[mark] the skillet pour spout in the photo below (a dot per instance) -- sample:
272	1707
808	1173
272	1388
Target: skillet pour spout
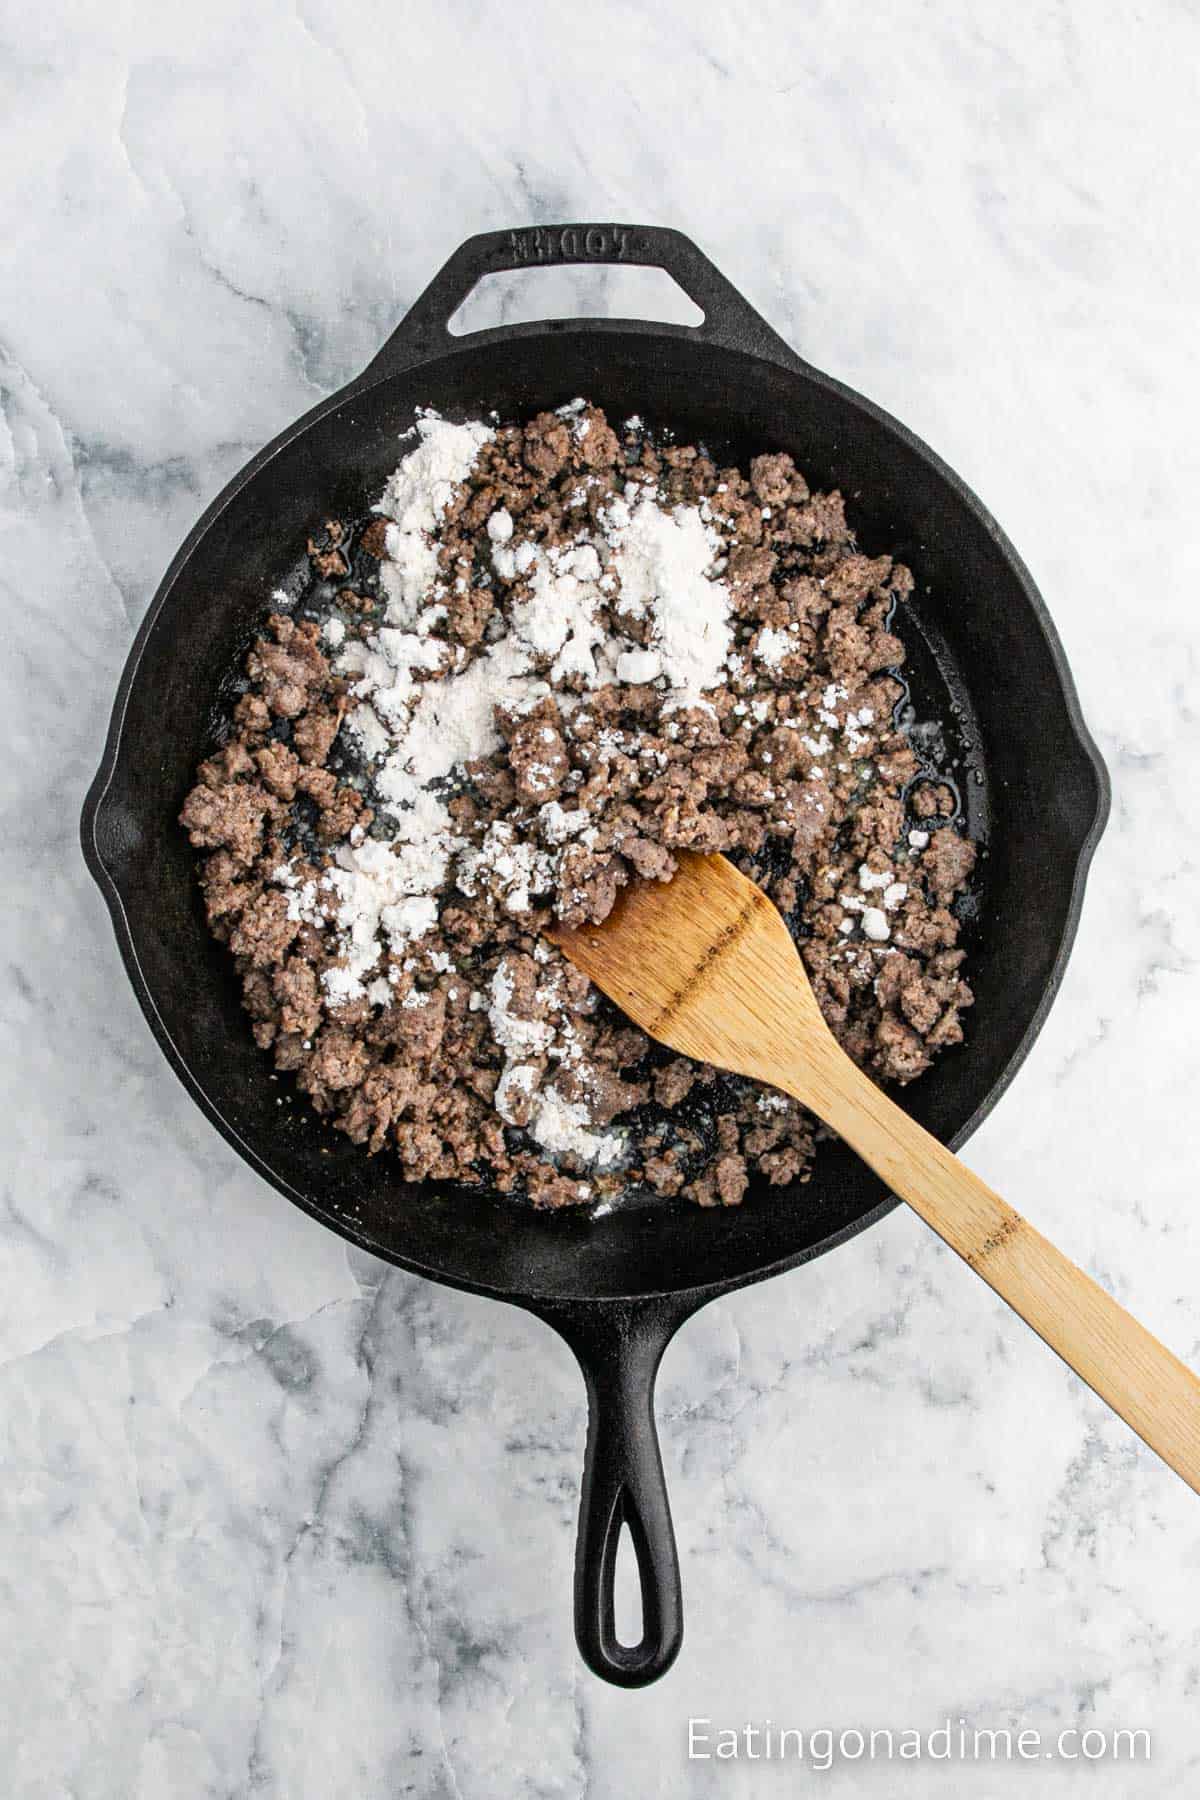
983	652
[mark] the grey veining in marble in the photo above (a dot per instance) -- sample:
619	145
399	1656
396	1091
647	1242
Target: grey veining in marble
277	1521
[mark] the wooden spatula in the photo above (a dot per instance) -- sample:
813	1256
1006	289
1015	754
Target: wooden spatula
705	964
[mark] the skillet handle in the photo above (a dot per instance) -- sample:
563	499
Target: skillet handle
619	1346
729	320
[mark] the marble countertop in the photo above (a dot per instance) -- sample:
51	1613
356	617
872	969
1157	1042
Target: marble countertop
276	1520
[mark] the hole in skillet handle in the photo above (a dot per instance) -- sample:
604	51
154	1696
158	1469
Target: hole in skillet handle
627	1592
727	318
623	1503
526	296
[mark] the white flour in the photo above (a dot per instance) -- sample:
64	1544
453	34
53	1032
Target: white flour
561	617
772	646
556	1124
520	869
874	919
414	500
664	561
561	1125
421	708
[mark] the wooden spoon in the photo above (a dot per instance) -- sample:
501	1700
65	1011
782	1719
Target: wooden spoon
705	964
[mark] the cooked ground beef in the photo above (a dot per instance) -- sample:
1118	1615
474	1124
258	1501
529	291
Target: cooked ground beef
793	766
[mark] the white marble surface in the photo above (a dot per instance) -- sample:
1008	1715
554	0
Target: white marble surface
275	1520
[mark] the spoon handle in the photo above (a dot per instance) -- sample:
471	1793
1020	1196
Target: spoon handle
1120	1360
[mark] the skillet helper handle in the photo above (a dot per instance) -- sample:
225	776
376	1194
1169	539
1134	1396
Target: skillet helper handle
729	319
619	1347
1143	1382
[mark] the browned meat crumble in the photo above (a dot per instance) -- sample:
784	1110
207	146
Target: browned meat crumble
793	767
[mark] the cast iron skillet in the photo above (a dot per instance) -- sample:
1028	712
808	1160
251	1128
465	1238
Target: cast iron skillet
983	656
